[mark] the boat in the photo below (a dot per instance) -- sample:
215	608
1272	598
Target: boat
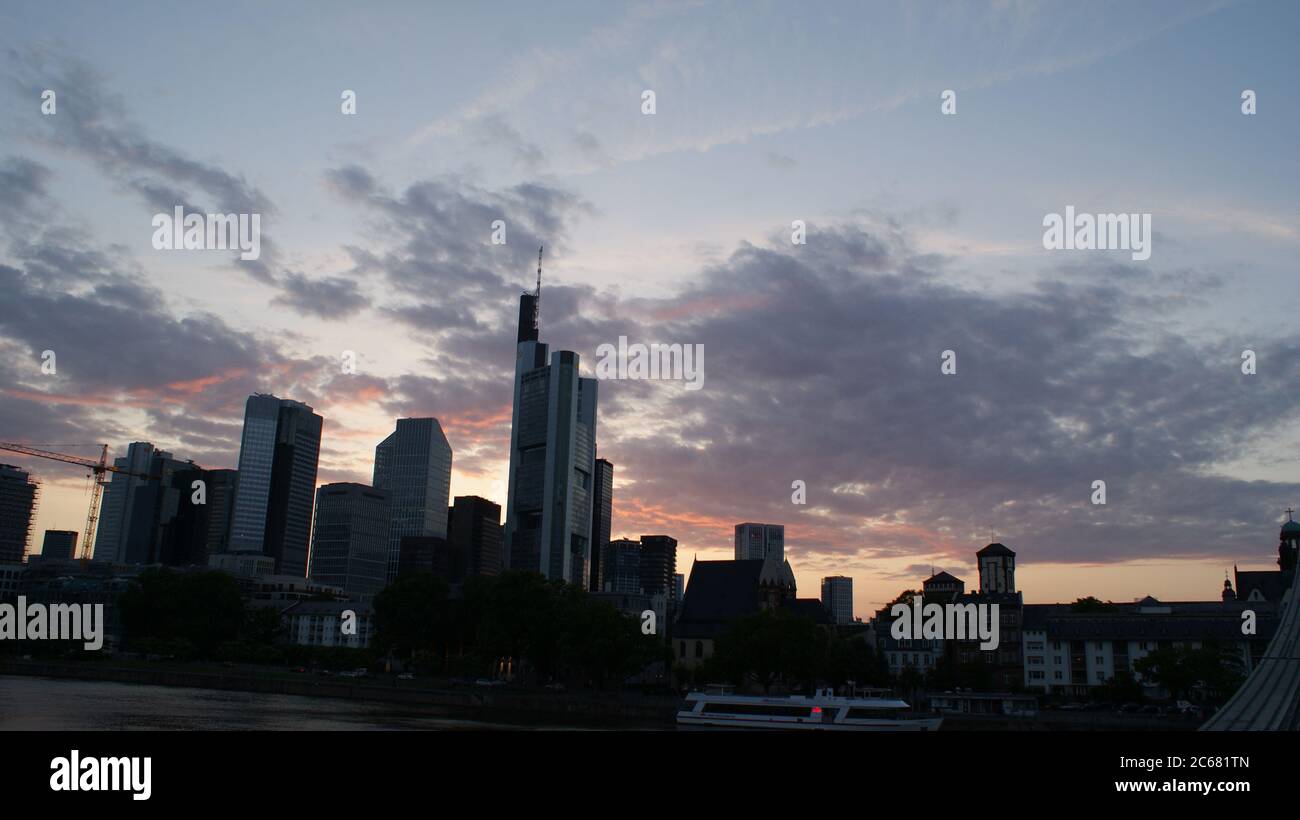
873	711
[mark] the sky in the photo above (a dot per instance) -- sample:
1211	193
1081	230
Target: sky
924	233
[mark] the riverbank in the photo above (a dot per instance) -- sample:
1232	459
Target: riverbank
486	704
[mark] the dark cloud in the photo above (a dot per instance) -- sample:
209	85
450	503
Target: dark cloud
822	364
330	297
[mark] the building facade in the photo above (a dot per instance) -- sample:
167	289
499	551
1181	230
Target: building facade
475	532
116	506
602	511
349	545
278	457
59	545
414	466
754	542
837	597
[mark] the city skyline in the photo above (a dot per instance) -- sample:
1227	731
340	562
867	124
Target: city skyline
924	234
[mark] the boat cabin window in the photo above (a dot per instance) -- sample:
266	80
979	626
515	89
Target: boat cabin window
871	714
765	709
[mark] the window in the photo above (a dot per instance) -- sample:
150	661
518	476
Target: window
1035	660
1035	675
1101	661
699	649
682	646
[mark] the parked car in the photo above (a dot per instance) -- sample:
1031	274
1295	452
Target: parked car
406	676
487	682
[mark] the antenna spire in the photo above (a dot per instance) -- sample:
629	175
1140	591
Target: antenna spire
537	294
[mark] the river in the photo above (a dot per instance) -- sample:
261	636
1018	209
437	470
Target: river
49	704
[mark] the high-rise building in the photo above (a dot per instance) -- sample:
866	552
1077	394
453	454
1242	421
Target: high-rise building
221	509
679	587
658	566
552	459
278	456
349	543
431	553
602	510
189	510
754	542
414	466
59	545
474	531
118	502
17	507
837	597
621	566
151	511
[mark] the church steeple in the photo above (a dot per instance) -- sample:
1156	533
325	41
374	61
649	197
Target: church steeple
1289	543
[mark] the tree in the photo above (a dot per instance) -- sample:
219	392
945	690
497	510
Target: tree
1092	604
773	647
201	609
411	614
1180	668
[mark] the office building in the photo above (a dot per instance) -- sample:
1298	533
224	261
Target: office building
349	543
837	597
658	566
118	501
414	466
602	510
59	545
552	459
755	542
433	554
474	531
278	455
621	566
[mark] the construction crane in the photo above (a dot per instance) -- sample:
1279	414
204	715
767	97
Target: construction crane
97	471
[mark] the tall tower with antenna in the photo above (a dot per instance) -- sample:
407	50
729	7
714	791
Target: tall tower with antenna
552	456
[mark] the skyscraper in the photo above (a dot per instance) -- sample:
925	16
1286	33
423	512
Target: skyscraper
602	510
17	504
278	456
754	542
115	510
349	543
837	597
414	466
658	566
474	530
621	563
552	458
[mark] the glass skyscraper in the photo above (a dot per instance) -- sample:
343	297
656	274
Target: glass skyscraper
754	542
602	508
278	456
349	544
552	459
414	466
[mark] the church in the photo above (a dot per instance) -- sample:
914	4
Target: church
1269	585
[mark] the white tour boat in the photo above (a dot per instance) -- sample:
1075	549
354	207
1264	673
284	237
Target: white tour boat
872	712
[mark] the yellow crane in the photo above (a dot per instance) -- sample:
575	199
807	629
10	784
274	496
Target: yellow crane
97	471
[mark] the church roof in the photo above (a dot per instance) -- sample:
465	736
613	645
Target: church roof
942	578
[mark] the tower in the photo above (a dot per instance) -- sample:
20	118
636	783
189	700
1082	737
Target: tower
552	457
1289	544
997	568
